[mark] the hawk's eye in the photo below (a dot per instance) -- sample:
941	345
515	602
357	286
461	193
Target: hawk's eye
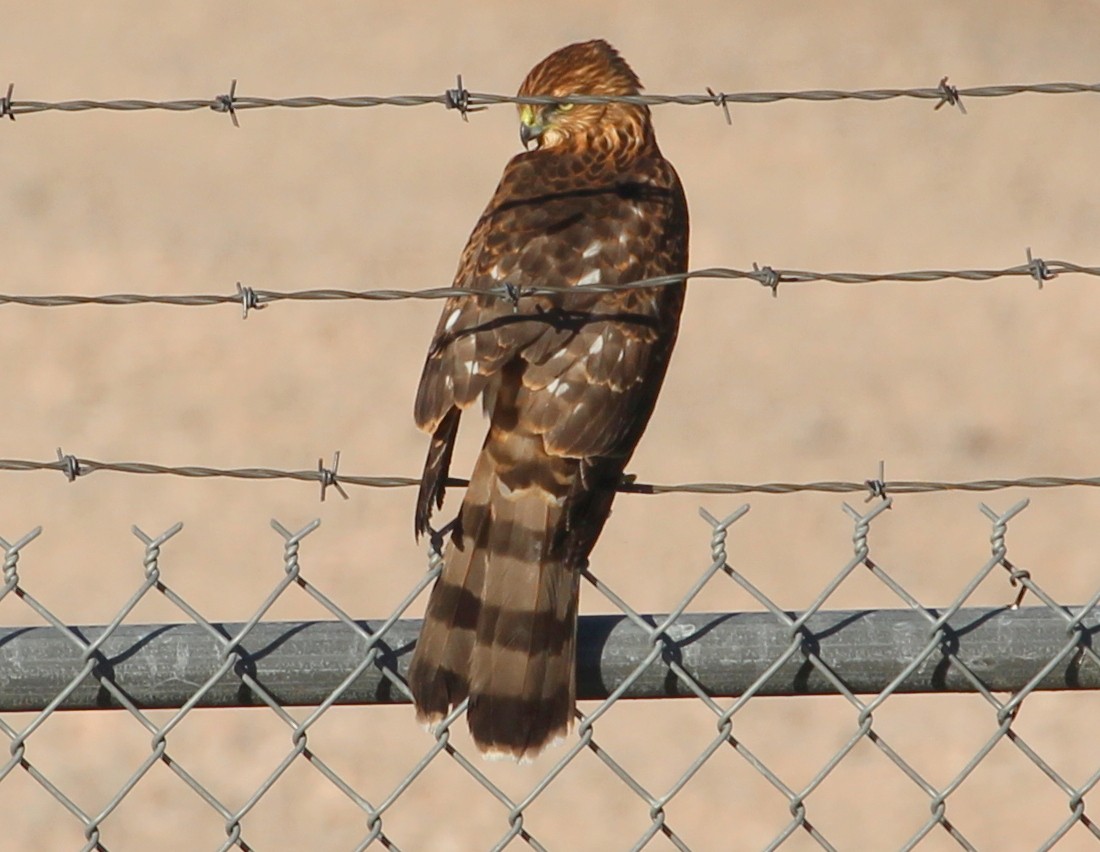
565	107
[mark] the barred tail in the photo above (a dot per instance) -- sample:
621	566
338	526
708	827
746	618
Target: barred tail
500	626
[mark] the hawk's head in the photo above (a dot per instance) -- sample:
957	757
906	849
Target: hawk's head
586	68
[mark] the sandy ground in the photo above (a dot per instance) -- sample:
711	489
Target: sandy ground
943	381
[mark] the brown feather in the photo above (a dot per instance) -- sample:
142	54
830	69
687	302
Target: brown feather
569	381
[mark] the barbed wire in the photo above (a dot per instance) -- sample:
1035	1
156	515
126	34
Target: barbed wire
330	477
252	299
465	101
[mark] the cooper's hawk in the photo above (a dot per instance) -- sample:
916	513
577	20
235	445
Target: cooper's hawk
568	382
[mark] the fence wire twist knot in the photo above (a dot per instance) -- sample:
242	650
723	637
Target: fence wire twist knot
228	103
459	98
949	96
5	103
70	465
249	300
1038	269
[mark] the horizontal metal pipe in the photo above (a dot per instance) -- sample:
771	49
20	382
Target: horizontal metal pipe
301	663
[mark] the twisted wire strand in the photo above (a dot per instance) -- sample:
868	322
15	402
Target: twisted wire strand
466	101
74	467
1036	268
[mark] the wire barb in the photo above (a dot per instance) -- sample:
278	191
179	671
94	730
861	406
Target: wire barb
70	465
329	477
459	98
227	103
949	96
6	103
512	293
877	487
249	300
767	277
1038	269
720	100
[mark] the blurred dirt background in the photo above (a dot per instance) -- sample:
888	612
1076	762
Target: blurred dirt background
943	381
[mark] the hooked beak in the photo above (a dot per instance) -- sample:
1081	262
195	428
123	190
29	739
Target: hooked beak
529	127
529	134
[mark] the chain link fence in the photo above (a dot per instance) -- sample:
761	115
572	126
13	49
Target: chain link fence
1005	656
